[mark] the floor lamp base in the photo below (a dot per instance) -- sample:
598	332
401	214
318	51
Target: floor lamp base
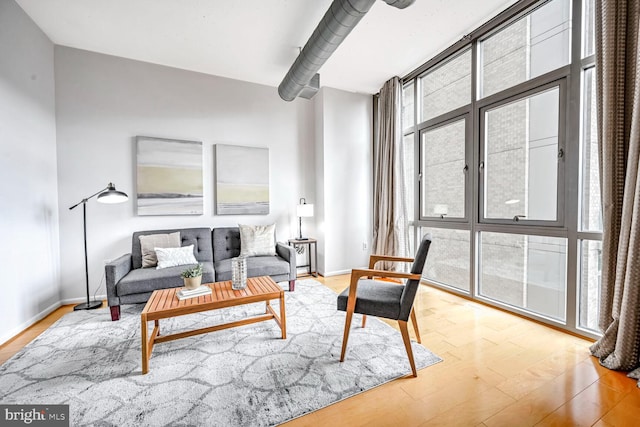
88	306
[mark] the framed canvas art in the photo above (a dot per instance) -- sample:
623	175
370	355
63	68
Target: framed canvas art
242	180
169	176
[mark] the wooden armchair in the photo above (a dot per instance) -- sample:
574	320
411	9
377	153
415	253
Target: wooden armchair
390	300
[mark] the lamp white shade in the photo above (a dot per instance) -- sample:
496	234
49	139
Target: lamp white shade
305	210
112	196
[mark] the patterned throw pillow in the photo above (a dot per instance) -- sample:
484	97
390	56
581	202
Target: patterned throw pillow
149	242
256	240
171	257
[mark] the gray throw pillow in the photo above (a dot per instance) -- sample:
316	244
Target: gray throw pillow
149	242
256	240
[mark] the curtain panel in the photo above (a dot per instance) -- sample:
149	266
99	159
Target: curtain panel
618	99
390	231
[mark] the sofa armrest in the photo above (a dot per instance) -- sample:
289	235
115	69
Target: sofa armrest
288	253
114	271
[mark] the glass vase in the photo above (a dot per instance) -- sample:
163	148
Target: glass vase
238	273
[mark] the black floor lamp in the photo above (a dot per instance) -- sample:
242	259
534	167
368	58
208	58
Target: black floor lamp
106	195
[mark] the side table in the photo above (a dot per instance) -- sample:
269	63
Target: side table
313	269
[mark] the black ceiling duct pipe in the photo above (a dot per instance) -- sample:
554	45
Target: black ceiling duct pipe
335	26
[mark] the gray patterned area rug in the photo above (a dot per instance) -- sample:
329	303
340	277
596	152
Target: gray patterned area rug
245	376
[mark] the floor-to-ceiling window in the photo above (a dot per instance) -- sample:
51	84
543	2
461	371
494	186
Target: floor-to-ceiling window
501	128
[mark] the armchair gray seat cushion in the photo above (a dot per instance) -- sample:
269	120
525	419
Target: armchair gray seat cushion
375	298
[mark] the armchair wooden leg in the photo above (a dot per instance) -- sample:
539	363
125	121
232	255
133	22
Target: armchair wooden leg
347	328
407	344
414	320
364	320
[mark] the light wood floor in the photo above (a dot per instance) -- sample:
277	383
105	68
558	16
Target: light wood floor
498	370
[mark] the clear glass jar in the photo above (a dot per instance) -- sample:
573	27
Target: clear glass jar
239	272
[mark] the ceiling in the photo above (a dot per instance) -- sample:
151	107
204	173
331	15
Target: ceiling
258	40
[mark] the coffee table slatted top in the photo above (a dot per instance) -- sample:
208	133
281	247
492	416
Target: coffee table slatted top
164	304
165	301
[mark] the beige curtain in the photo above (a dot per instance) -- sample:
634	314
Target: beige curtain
618	97
390	233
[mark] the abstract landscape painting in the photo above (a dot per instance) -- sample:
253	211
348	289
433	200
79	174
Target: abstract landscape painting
242	180
169	174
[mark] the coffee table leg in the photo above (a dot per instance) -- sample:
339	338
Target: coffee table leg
283	319
143	333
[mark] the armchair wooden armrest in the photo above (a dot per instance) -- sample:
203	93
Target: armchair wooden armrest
375	258
359	273
370	272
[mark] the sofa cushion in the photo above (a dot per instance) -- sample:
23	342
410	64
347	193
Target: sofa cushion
149	279
200	238
226	243
257	240
152	241
256	266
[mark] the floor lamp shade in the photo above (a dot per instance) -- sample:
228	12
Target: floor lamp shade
303	210
109	194
112	196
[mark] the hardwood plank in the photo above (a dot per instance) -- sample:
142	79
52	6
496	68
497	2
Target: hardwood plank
586	408
625	413
473	410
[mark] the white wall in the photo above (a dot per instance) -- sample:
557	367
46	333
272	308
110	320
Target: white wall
29	254
103	102
343	179
65	138
319	216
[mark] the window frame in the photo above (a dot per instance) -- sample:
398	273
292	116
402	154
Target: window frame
447	120
560	181
571	137
418	86
512	307
583	130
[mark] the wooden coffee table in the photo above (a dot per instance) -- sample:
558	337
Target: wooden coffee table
164	304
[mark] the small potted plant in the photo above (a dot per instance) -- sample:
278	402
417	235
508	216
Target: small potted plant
192	277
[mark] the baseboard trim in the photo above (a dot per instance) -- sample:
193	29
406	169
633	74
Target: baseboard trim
336	273
83	299
6	338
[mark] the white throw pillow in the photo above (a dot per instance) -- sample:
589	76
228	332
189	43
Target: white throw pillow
171	257
256	240
149	242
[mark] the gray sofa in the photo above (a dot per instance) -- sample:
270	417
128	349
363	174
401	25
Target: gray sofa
129	283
